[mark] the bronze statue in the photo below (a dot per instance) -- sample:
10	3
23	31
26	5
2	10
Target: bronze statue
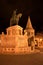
15	18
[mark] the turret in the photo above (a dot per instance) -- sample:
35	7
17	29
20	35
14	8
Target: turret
30	33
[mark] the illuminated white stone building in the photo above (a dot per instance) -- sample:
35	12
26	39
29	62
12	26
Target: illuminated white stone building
39	40
15	41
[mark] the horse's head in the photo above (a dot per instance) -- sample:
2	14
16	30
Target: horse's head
19	15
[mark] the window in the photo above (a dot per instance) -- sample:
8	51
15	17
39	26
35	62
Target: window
5	48
8	32
8	48
20	32
32	48
12	49
32	33
28	33
29	42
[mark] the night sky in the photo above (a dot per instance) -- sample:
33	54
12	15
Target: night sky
32	8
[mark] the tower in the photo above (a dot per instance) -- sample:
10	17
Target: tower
29	28
30	33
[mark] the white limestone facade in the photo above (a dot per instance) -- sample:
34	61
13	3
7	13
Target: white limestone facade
15	41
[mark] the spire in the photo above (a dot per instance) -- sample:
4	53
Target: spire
29	25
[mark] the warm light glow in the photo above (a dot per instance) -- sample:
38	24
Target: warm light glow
40	39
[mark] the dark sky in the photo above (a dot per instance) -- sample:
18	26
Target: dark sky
32	8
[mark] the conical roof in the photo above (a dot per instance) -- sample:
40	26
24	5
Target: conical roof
29	25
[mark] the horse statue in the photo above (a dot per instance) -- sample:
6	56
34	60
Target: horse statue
15	18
